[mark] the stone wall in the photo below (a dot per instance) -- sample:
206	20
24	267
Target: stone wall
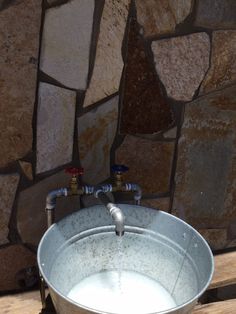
150	84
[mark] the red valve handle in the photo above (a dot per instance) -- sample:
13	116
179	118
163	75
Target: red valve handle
75	171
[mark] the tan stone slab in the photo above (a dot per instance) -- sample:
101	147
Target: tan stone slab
31	215
27	169
14	258
149	163
206	168
181	63
159	17
108	65
28	302
18	63
172	133
55	127
96	133
216	238
66	42
8	186
223	61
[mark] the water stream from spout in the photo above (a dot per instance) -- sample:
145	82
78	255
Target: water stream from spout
120	261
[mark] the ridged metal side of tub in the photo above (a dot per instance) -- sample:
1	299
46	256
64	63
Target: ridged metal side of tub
155	244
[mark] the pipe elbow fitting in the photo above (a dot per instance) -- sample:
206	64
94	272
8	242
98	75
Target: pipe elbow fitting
52	197
118	218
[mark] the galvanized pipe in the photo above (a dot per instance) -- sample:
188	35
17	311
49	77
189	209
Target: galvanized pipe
133	187
115	212
127	187
51	204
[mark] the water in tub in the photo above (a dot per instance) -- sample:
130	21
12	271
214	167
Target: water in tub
122	292
135	293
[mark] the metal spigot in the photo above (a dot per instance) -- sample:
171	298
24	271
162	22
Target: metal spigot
120	186
118	171
74	185
75	188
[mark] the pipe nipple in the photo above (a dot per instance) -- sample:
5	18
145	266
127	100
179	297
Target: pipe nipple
120	233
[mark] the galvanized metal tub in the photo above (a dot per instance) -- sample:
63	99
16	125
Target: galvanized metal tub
156	244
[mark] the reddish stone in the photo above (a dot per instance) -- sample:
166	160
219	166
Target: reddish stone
216	14
144	108
206	170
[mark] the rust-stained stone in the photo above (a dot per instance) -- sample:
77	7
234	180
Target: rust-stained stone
159	17
18	64
149	163
157	203
144	109
96	132
108	65
216	238
223	61
8	186
206	169
181	63
13	259
27	169
216	14
55	126
31	216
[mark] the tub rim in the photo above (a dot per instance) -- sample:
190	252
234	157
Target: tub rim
179	307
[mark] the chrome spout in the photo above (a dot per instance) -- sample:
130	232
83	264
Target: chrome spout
115	212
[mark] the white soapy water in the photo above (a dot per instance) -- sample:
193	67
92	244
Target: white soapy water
139	294
119	260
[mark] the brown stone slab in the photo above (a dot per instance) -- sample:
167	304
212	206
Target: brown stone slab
144	108
8	186
216	238
206	169
157	203
149	163
13	259
18	62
